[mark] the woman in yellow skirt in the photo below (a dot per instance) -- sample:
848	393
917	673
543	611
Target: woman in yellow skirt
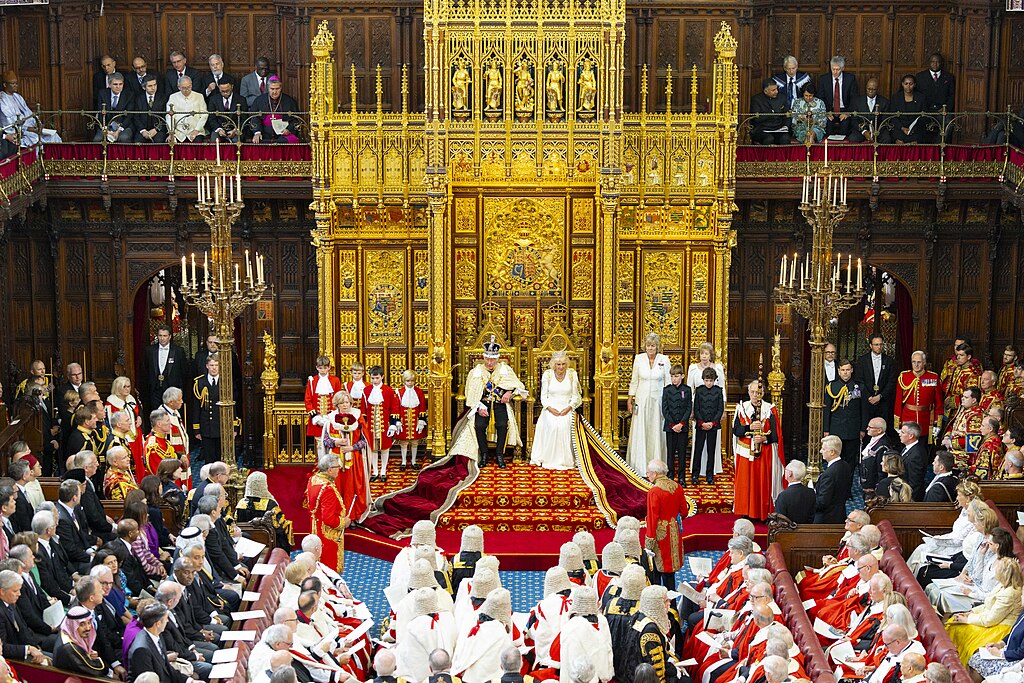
991	620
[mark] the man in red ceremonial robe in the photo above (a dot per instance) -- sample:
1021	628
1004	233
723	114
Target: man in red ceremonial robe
327	512
158	447
319	390
342	436
760	461
380	422
966	424
1006	371
919	396
950	366
665	503
966	373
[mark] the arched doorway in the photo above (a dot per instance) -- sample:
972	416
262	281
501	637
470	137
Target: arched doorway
886	309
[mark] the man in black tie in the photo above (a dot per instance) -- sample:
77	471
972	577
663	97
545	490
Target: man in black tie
101	79
21	472
7	507
915	457
226	115
135	575
100	525
833	486
135	82
164	365
151	121
791	80
51	560
796	501
209	82
942	489
938	87
179	70
876	372
19	641
113	105
870	105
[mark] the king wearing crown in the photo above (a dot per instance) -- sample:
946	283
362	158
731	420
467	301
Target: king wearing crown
490	388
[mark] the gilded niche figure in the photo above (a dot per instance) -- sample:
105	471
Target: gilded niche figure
554	86
524	89
588	87
493	78
460	87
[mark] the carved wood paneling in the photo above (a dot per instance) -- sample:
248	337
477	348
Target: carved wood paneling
143	36
29	43
237	50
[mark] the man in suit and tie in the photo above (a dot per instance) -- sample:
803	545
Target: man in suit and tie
169	594
796	501
151	120
837	90
915	457
33	602
255	83
135	574
164	365
21	472
135	82
147	651
942	489
225	122
210	81
7	507
791	80
51	560
113	105
871	455
100	525
179	70
939	89
101	79
19	641
876	372
72	526
833	486
865	126
89	593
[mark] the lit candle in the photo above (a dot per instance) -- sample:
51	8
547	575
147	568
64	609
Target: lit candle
792	271
826	152
194	283
782	273
248	266
216	190
237	280
259	267
184	279
849	269
238	186
859	283
206	270
218	150
804	195
844	190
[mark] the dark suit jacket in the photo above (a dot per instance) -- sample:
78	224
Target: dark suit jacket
831	491
174	640
94	515
286	104
676	406
187	621
144	656
860	103
221	551
32	604
150	117
797	502
847	87
171	80
847	419
206	78
74	535
54	572
915	462
206	414
937	93
773	111
15	632
176	374
864	372
125	103
109	634
99	84
227	119
941	490
21	520
132	85
782	80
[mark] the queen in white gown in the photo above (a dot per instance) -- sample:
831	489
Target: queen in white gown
695	378
560	395
647	430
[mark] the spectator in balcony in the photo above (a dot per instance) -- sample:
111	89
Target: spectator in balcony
255	84
865	127
179	70
907	127
791	81
19	124
997	136
210	81
227	120
274	123
136	82
113	105
808	116
151	119
771	127
187	113
101	79
837	90
938	87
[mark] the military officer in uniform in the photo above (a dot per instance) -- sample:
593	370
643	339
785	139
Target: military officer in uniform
919	396
844	413
490	387
206	412
966	373
966	423
158	447
1006	371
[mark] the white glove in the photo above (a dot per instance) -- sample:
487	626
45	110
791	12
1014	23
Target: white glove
319	420
420	425
392	430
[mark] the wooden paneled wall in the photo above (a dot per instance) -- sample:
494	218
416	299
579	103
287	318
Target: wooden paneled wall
56	49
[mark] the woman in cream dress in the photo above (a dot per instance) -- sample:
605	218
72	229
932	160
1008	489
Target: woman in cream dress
560	395
647	432
695	378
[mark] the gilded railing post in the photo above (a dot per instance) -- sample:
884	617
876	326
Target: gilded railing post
777	378
269	379
606	351
439	379
321	107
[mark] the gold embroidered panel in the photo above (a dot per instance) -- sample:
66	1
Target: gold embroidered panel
663	279
385	295
524	243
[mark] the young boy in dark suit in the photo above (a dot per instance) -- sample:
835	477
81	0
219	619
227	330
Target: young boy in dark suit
676	406
708	407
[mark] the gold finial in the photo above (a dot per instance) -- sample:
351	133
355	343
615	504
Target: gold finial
668	89
643	90
725	44
405	89
352	89
323	43
380	93
693	91
777	378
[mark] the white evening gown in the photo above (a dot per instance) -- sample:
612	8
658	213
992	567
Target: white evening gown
552	441
647	428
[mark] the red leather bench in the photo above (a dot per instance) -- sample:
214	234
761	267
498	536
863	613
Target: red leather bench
889	540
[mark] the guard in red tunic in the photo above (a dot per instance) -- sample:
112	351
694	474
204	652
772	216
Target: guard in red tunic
356	385
158	447
380	422
412	404
966	424
966	373
319	390
665	503
988	461
949	367
991	395
919	396
1006	371
326	512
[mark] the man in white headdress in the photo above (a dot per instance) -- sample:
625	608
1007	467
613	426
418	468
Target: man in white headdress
547	616
428	629
478	651
423	534
585	635
484	581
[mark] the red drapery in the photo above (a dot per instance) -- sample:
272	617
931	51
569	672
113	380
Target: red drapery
13	164
865	152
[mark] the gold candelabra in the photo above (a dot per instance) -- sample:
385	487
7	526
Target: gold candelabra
814	288
223	293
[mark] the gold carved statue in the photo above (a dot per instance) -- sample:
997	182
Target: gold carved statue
493	78
556	78
588	87
524	89
460	87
